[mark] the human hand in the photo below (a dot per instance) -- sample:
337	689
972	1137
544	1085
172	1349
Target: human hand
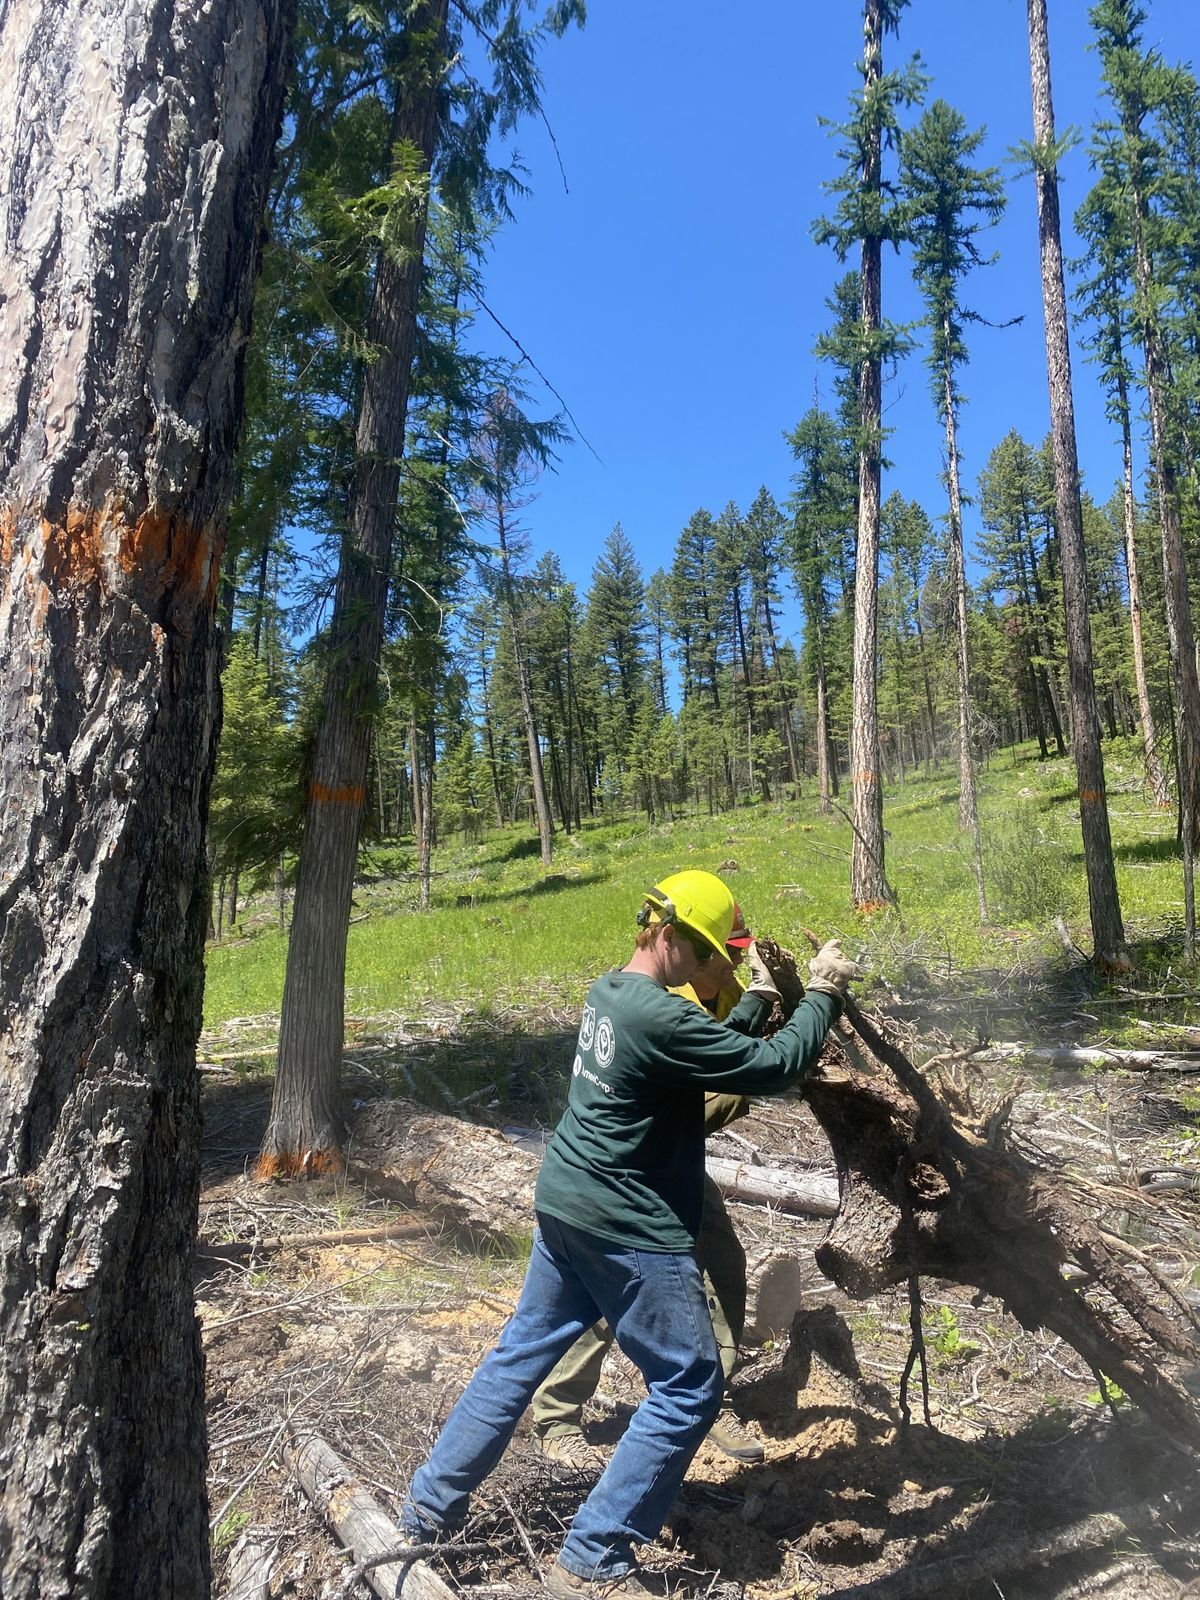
831	972
761	981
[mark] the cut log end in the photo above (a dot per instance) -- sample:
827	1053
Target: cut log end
299	1164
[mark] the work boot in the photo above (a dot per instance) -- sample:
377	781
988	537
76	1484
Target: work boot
732	1438
564	1585
571	1451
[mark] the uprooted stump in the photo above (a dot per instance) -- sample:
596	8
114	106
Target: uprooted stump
931	1188
928	1191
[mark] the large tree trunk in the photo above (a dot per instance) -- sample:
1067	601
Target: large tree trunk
1108	933
135	145
305	1130
968	799
1159	791
868	886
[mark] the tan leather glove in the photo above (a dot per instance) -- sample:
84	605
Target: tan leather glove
831	972
761	981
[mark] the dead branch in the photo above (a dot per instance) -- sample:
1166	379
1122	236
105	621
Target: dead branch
404	1228
359	1521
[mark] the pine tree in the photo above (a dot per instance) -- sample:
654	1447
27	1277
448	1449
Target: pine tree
765	536
1137	82
949	203
822	508
1101	221
135	147
865	216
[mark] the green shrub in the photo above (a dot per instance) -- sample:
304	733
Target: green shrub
1030	865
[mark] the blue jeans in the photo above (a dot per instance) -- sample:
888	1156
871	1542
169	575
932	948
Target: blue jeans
655	1302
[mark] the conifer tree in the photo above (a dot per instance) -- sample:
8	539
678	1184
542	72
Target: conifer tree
865	216
1102	221
135	148
765	547
950	202
1108	933
822	508
1137	83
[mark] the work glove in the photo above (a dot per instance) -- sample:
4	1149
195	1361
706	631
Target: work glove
761	982
831	972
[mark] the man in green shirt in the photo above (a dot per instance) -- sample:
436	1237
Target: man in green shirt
619	1202
558	1404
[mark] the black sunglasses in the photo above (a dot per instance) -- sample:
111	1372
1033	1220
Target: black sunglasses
701	948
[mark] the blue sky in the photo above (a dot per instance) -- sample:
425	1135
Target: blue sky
673	296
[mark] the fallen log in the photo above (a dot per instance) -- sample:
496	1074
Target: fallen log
480	1181
402	1228
809	1194
1089	1057
251	1564
359	1521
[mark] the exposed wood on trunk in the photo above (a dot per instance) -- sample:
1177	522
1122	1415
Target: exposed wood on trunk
1108	934
774	1293
135	143
359	1521
305	1131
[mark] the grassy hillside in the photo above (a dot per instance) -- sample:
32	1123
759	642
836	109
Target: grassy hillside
501	931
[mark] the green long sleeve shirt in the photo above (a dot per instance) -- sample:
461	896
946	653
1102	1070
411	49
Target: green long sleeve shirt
627	1159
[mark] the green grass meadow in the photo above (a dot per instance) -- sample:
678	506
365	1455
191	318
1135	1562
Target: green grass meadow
502	932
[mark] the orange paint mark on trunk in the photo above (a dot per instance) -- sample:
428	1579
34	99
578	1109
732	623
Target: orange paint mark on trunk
347	794
103	547
299	1164
867	779
1089	796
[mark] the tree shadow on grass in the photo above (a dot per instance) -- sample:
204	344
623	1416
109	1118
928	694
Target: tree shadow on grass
1150	850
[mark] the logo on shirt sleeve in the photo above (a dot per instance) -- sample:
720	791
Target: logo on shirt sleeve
587	1028
606	1043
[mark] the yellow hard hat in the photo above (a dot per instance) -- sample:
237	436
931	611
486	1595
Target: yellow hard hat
698	901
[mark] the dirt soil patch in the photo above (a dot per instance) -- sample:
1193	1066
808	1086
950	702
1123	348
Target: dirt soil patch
371	1343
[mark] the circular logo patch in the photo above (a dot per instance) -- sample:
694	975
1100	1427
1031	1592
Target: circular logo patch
606	1042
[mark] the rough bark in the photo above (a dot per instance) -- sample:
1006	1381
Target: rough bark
1159	791
135	144
1108	933
867	884
968	800
305	1130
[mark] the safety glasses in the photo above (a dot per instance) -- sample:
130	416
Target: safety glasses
702	949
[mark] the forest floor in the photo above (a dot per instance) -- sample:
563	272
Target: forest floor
370	1343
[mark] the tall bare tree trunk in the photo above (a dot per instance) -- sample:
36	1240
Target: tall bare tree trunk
135	146
825	804
1159	790
868	886
1108	933
305	1130
537	774
968	799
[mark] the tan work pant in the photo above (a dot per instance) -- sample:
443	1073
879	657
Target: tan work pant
558	1404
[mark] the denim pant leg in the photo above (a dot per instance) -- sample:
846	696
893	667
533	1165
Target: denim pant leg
665	1329
553	1310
